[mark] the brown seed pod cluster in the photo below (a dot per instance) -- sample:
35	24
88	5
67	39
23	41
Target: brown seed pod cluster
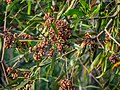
66	84
12	72
60	36
8	1
114	58
26	74
40	49
10	39
56	38
107	38
89	40
24	36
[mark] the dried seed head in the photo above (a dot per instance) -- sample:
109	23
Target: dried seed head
26	74
14	75
46	16
66	85
8	1
9	70
114	59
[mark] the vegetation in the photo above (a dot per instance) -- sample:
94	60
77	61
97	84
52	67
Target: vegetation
59	45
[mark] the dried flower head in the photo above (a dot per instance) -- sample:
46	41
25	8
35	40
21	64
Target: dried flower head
8	1
66	84
56	38
114	58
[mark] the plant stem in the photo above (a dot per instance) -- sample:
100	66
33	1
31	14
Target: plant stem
3	49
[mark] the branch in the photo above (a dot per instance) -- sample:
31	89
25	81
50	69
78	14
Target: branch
3	68
90	73
115	14
109	33
105	17
3	49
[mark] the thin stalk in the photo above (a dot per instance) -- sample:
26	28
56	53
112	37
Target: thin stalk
3	48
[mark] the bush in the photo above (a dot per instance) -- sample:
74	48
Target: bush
59	44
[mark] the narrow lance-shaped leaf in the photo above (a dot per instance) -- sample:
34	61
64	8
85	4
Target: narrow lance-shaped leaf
54	28
76	12
116	65
22	84
10	6
16	58
96	11
95	62
84	4
29	6
13	83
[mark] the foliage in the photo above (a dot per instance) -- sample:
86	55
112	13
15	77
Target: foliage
59	44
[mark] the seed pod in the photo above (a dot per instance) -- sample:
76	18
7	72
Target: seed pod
114	59
66	85
8	1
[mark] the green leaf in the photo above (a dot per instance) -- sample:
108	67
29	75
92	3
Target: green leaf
96	11
86	26
54	28
100	75
80	87
16	58
29	6
11	5
44	79
13	83
91	86
73	12
95	62
22	84
76	46
84	4
20	23
71	5
26	28
61	12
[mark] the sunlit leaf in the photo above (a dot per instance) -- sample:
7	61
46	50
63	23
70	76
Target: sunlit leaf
16	58
29	7
22	84
96	11
76	12
116	65
91	86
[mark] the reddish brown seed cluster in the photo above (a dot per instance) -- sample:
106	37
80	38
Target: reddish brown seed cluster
89	40
12	72
66	85
107	38
26	74
9	39
8	1
61	36
40	49
57	39
114	58
24	36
